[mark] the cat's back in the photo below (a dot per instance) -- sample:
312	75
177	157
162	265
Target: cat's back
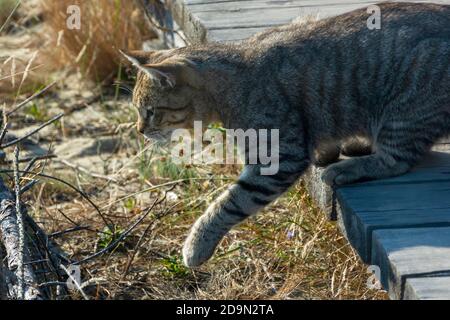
409	22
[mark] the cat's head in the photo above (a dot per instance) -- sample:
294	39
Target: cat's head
168	93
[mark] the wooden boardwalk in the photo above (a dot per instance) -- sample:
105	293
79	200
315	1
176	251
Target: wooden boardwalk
402	224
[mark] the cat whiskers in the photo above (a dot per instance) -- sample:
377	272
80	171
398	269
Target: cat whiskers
124	87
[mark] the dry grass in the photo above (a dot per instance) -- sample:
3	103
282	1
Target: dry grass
290	251
22	69
6	8
106	26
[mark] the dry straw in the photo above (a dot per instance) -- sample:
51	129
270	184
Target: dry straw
105	27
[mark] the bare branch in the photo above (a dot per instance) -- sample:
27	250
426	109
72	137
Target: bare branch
32	160
49	122
3	133
63	232
10	234
122	236
86	171
81	193
20	227
27	100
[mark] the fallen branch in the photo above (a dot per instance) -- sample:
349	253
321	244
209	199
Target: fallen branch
31	258
21	286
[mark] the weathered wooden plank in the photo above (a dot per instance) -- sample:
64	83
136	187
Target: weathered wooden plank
391	197
268	2
291	2
188	15
428	288
410	253
367	208
189	24
199	18
359	226
235	6
403	201
267	17
435	167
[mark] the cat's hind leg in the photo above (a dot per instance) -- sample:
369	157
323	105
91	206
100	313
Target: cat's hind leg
376	166
399	146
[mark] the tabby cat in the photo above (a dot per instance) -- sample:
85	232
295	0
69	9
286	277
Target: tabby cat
321	84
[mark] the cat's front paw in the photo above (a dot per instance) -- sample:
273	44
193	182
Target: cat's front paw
199	245
195	255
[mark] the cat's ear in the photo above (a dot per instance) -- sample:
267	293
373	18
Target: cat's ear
176	70
172	71
138	57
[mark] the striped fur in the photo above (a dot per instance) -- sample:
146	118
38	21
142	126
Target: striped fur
321	84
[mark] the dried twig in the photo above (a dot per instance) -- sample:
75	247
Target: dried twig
10	15
139	243
18	140
32	160
21	72
28	186
114	243
27	100
3	133
63	232
166	184
86	171
81	193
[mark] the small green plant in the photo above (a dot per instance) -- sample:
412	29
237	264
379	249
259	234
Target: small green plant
217	126
153	165
174	268
167	169
108	235
36	112
130	204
